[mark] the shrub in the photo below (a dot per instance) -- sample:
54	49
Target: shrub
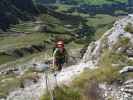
85	87
123	42
88	82
64	93
129	28
109	57
92	91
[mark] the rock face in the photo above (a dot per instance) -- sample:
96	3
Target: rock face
109	39
126	69
127	87
119	40
115	92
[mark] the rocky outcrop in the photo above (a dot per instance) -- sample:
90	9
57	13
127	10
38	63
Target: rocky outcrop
127	86
115	92
120	41
110	39
126	69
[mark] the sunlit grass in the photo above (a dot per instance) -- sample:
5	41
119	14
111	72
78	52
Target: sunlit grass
99	2
10	42
63	93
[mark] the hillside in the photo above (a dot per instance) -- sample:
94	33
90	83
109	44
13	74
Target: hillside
109	75
99	75
98	36
12	11
91	2
31	41
99	2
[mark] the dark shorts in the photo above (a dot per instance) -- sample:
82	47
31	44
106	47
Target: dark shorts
59	61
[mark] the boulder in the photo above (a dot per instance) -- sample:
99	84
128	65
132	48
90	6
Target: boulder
126	69
41	67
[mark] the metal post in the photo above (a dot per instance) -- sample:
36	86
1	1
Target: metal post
46	79
55	76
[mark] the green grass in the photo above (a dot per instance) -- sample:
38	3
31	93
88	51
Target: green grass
122	42
99	2
63	93
42	56
95	22
100	22
6	58
49	19
62	7
55	25
109	57
129	28
10	42
23	27
73	45
7	84
13	61
121	12
11	81
101	28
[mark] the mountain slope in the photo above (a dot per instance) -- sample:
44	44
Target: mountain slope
93	2
117	40
100	1
35	91
115	50
11	11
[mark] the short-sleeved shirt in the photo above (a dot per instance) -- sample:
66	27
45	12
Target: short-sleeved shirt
58	54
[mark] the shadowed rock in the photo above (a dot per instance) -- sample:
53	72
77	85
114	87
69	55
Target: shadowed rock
126	69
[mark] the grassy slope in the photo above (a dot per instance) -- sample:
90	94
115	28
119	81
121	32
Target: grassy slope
21	41
10	82
11	42
35	37
101	28
63	7
96	2
99	2
95	21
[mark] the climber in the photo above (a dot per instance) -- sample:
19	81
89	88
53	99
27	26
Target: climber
60	55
